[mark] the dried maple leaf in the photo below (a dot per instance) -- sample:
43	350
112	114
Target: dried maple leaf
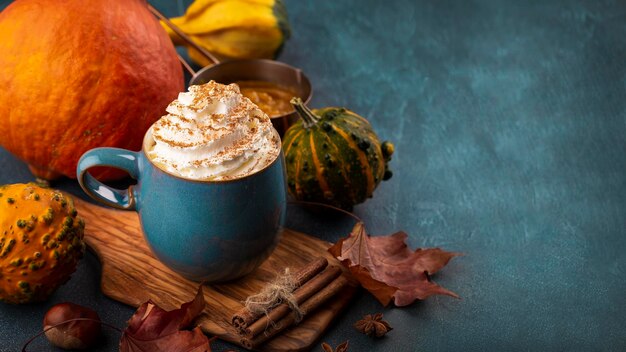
152	329
342	347
387	268
373	325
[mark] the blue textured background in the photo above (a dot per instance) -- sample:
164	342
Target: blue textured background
509	120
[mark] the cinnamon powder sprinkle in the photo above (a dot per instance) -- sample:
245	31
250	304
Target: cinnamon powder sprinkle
237	142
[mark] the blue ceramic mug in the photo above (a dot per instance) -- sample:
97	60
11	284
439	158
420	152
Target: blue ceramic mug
204	230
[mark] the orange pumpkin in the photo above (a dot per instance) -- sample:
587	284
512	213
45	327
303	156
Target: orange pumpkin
79	74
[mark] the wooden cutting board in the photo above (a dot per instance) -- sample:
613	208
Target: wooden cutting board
132	275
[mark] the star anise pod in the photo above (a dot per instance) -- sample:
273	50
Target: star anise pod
342	347
373	325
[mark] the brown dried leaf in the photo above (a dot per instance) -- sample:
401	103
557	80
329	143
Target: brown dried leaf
326	347
342	347
388	269
373	325
152	329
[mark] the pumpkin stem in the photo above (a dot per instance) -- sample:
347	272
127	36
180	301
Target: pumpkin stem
309	118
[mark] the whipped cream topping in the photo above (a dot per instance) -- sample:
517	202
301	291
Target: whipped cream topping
212	132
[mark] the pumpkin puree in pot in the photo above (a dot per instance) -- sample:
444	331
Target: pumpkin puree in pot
271	98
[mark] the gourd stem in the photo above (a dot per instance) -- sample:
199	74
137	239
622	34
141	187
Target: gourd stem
309	118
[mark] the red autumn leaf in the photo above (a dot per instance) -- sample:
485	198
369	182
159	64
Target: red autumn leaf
388	269
152	329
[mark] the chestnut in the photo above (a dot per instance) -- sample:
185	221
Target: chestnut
75	334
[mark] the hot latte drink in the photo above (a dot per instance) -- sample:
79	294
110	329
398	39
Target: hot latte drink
212	132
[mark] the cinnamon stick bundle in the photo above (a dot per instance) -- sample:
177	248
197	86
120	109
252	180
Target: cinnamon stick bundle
243	318
314	285
308	306
301	295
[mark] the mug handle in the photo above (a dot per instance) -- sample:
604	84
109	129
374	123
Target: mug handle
114	157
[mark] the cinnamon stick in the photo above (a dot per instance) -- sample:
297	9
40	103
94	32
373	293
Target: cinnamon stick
307	307
244	317
301	294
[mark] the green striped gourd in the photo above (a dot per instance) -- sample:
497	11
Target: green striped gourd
333	156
